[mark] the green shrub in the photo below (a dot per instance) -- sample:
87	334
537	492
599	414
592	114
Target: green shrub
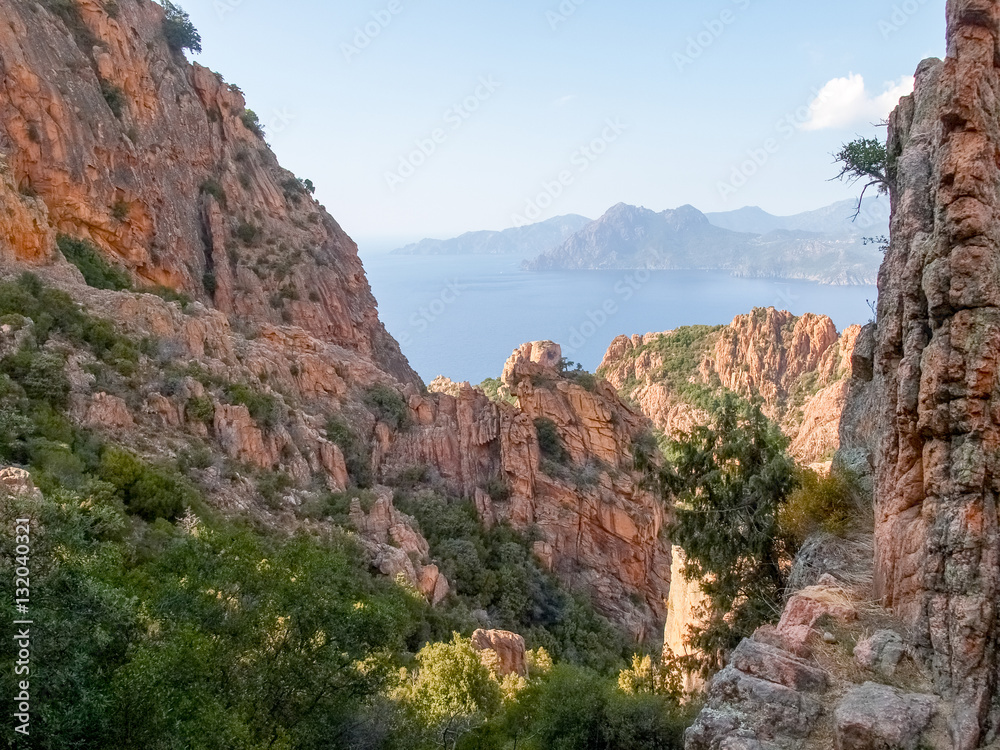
116	100
120	211
265	409
822	502
170	295
42	375
200	409
178	30
96	271
498	490
68	11
208	281
357	455
550	442
252	122
388	405
247	233
213	187
146	491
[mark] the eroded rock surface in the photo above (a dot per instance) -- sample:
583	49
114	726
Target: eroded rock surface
937	372
798	366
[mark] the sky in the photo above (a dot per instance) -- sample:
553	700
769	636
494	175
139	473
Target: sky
429	118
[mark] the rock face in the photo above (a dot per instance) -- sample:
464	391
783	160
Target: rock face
601	530
108	135
877	716
937	372
396	546
503	651
799	366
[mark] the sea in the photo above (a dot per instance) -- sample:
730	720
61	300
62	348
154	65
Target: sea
462	316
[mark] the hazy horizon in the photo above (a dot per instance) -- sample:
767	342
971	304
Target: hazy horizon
431	121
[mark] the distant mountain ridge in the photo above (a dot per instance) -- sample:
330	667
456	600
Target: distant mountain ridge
825	246
527	241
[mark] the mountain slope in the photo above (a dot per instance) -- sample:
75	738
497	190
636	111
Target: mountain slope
110	136
525	241
836	219
627	237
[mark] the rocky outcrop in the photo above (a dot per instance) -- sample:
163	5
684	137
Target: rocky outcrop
799	366
108	135
396	546
937	372
503	652
601	530
879	716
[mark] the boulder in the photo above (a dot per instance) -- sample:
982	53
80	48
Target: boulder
509	655
878	717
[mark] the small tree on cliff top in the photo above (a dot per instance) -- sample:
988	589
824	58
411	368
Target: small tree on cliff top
730	480
178	29
864	159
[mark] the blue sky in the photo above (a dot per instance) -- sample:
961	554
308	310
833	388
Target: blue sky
433	117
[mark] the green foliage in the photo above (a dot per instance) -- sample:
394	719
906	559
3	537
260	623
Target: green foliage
496	391
357	454
575	372
96	271
451	691
252	122
496	571
178	30
115	98
213	187
147	491
247	233
864	160
577	709
550	442
201	635
42	375
388	405
200	409
731	479
265	409
120	211
209	283
170	295
295	189
821	502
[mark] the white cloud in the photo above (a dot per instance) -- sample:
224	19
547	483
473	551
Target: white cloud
846	101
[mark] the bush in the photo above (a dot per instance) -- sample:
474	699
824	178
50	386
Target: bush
96	271
265	409
356	452
550	442
214	188
42	375
388	405
822	502
252	122
200	409
146	491
178	30
115	98
247	233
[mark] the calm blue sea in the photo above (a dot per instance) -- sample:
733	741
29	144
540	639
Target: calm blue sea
463	316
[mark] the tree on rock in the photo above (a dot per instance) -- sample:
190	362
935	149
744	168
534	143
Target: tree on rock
178	29
730	479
